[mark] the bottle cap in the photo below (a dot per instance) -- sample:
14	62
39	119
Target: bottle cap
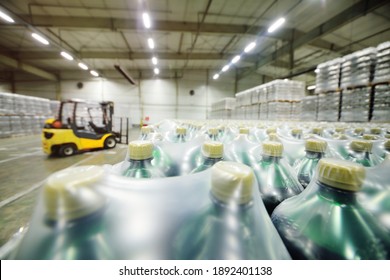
271	130
272	148
244	130
273	137
340	136
341	174
361	146
181	130
145	129
296	131
213	131
387	136
387	145
317	130
315	145
359	130
370	137
231	182
213	149
340	129
376	130
140	149
68	193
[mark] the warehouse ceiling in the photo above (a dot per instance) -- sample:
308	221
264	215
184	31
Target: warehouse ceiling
187	34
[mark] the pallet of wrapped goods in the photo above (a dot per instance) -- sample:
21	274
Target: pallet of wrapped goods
382	66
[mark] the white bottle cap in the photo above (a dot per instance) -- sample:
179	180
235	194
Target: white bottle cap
231	182
140	149
69	194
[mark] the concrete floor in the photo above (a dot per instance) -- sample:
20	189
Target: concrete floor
23	169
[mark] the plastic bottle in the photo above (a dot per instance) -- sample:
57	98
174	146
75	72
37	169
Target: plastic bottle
296	133
276	179
145	133
139	164
237	149
305	167
233	225
359	131
213	134
318	131
360	152
376	131
212	152
71	224
326	221
181	135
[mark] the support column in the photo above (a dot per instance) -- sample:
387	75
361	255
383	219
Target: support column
13	85
236	81
177	96
291	51
207	93
140	98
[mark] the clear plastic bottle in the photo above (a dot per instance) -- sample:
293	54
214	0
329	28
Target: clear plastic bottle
359	131
212	152
318	131
233	225
237	149
71	224
305	167
296	133
181	135
213	134
145	133
360	152
140	165
275	177
326	221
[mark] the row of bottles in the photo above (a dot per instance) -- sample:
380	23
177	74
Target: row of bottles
199	192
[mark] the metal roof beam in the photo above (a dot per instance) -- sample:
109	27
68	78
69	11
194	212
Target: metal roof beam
357	10
16	64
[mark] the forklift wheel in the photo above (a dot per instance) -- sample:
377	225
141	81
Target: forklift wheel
67	150
110	142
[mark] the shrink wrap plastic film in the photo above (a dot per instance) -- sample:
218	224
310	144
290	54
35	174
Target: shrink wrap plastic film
126	218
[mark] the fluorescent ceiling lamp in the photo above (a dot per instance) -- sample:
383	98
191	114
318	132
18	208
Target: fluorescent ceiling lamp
151	43
6	17
40	38
154	60
216	76
94	73
311	87
146	19
236	58
276	25
83	66
156	71
317	70
250	47
67	56
225	68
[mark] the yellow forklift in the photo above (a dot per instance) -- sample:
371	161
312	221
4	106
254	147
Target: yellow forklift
80	125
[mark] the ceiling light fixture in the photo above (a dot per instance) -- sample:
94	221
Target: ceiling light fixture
276	25
67	56
156	71
146	19
311	87
154	60
6	17
225	68
236	59
216	76
83	66
94	73
40	39
250	47
151	43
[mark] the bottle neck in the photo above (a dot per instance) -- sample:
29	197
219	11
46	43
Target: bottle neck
268	158
335	195
143	163
314	155
232	206
211	161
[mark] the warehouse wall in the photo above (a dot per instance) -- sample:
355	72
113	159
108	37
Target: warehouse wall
158	98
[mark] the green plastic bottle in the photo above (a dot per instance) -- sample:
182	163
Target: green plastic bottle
140	164
237	149
71	224
181	135
296	133
327	221
276	179
212	152
360	152
233	225
305	167
145	133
